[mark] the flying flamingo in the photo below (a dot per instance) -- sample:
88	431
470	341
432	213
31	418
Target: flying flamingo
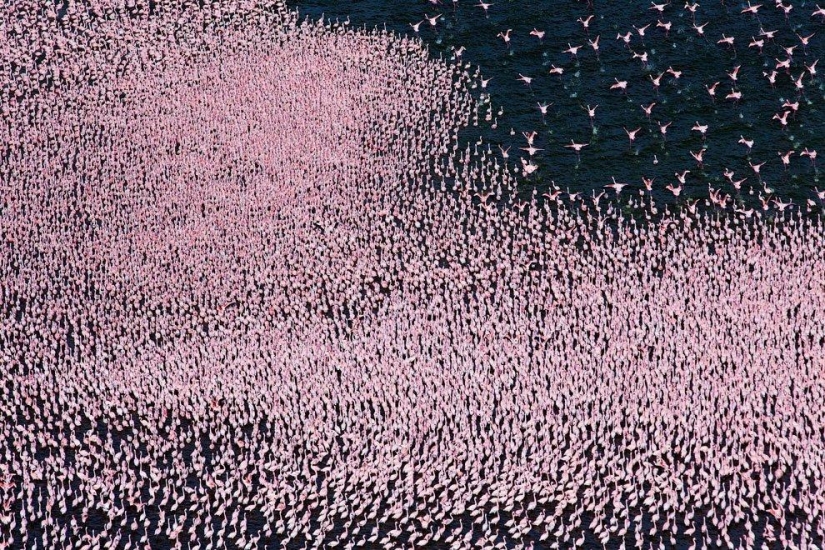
631	135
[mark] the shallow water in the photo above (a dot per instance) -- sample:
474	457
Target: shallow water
587	81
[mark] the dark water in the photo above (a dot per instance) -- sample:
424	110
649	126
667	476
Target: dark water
587	80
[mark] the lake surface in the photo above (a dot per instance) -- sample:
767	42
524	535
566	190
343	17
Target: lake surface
588	77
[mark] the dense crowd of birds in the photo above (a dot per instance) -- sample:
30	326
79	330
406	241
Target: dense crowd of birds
254	295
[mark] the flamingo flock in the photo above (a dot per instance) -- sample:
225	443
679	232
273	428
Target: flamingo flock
255	295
